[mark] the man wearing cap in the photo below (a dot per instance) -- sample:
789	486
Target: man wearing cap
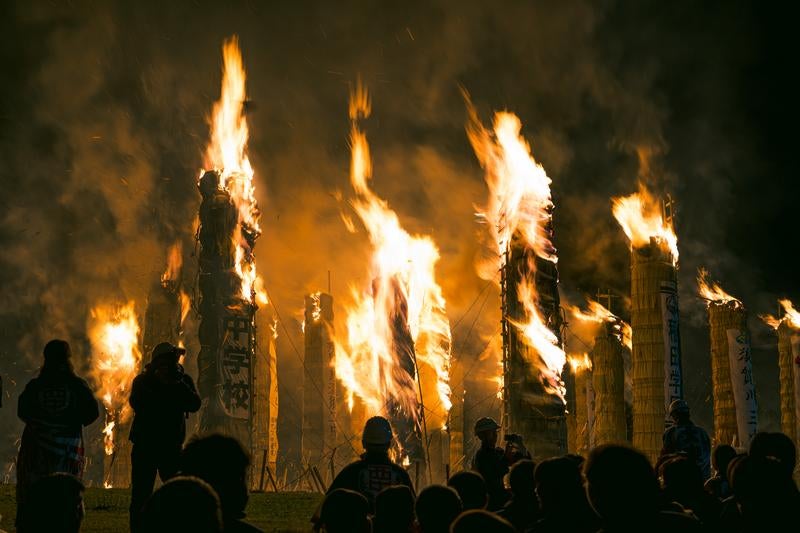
161	397
493	463
374	471
685	437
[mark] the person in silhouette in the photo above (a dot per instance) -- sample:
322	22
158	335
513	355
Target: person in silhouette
394	510
623	490
687	438
55	407
522	510
374	471
56	504
682	483
493	463
564	506
471	488
222	462
480	521
436	508
161	396
719	486
182	504
345	511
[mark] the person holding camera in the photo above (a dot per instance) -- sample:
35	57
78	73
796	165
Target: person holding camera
493	463
161	398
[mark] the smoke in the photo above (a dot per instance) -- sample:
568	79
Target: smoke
102	128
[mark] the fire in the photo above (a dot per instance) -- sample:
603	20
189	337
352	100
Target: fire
174	263
598	314
580	364
227	151
711	291
519	207
186	305
114	335
641	218
790	316
403	299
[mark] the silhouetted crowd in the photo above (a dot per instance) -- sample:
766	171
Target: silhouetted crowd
614	489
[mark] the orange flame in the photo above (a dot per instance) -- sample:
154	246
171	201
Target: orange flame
186	305
113	333
174	263
641	218
404	288
790	316
580	364
227	151
520	206
598	314
712	292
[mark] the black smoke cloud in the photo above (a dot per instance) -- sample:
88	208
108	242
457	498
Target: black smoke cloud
103	124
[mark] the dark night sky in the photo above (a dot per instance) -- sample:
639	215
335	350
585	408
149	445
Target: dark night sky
102	126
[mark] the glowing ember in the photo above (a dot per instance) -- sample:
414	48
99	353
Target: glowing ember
404	295
519	207
712	292
790	316
227	151
114	332
641	218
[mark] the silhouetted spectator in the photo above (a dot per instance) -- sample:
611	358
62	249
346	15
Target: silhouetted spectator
374	471
623	490
522	510
718	486
436	508
493	463
562	497
767	498
480	521
775	446
161	397
685	437
683	483
182	504
394	510
54	406
471	488
222	462
56	504
730	515
345	511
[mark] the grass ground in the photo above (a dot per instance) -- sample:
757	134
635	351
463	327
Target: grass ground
107	510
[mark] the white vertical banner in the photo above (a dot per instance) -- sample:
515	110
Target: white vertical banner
670	316
744	390
796	375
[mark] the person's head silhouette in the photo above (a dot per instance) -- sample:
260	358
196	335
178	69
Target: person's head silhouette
471	488
480	521
437	507
394	509
183	504
222	462
520	479
344	511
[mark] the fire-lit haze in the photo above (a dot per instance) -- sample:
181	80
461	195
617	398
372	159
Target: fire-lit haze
519	206
113	330
791	316
402	292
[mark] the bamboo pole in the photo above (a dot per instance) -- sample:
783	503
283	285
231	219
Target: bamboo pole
608	380
651	268
787	396
723	316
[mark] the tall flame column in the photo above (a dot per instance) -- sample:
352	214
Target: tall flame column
656	343
227	324
608	380
529	409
